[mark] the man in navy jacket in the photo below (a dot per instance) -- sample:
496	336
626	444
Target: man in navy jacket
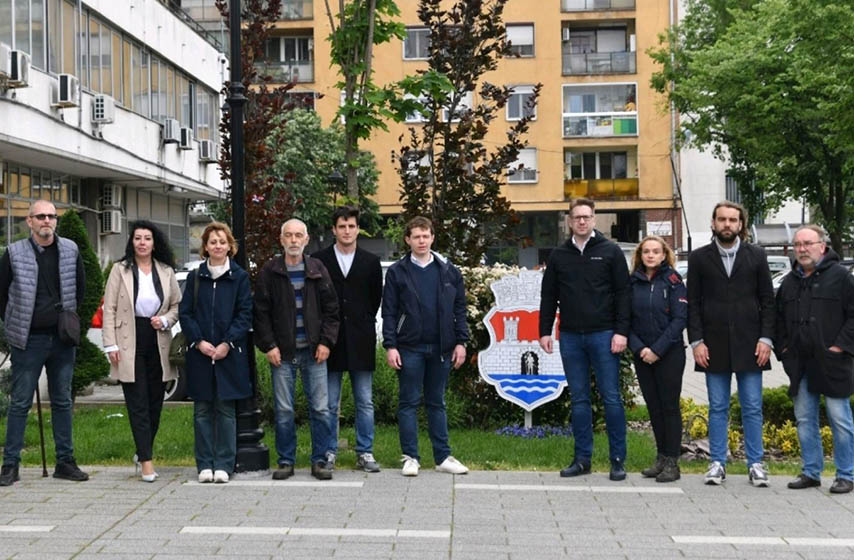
589	278
424	333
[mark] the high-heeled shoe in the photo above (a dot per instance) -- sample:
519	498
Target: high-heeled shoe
136	466
149	477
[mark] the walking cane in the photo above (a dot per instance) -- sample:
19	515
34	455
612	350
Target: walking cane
41	430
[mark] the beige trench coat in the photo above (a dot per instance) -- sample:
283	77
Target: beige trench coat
120	325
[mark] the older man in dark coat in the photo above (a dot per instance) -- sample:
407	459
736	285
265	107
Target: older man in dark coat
731	326
815	342
357	276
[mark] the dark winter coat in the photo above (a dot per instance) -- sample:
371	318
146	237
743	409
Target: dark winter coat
814	313
592	288
730	313
275	308
223	313
659	311
359	296
402	311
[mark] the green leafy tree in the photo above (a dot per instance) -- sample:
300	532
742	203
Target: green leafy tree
448	172
91	364
304	155
357	27
767	85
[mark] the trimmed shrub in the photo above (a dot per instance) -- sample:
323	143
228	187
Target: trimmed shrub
91	364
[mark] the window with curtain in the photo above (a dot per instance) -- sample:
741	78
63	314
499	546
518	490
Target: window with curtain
118	90
528	172
107	61
155	89
38	28
83	42
416	44
22	26
517	104
6	22
94	54
170	92
127	74
54	35
521	38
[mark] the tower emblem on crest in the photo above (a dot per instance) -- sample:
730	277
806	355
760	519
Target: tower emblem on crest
514	363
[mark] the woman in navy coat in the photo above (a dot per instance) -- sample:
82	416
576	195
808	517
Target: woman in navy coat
659	314
216	320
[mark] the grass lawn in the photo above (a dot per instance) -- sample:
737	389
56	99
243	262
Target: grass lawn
102	437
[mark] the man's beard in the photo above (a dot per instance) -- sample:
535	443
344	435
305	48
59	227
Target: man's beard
725	236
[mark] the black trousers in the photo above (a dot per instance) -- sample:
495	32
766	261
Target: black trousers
661	385
144	397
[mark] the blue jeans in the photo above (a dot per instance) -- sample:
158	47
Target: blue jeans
43	350
216	434
578	351
361	382
314	384
750	397
841	424
424	369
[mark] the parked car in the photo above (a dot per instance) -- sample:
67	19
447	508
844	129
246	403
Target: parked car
779	263
176	390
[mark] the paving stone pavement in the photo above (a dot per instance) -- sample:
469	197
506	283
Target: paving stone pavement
483	515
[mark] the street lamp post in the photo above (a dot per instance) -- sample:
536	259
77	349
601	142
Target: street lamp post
252	455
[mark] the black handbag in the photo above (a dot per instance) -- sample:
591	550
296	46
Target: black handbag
68	327
179	346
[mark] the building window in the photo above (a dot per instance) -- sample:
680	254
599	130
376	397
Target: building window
596	165
69	36
463	106
521	38
415	116
289	59
600	110
518	103
416	45
527	173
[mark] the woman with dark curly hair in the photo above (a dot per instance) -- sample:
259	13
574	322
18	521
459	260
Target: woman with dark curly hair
140	307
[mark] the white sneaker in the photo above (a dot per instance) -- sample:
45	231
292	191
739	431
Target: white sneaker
220	477
451	465
758	475
716	473
206	475
410	466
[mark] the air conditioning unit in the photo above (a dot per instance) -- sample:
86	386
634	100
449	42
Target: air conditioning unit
5	60
103	109
171	131
67	91
111	196
207	151
19	75
186	140
111	222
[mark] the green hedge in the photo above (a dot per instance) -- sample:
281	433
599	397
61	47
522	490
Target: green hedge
777	408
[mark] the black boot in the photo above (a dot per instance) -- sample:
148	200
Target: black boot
656	468
9	475
670	472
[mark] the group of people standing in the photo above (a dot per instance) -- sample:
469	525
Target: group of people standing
315	315
734	323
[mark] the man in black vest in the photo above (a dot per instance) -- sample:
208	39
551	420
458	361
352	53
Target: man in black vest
357	277
39	277
731	326
815	342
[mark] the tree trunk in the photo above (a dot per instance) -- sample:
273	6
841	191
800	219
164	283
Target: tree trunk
352	176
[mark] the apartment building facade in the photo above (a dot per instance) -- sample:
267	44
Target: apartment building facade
110	108
600	131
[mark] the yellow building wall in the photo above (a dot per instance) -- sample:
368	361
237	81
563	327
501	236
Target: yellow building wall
650	163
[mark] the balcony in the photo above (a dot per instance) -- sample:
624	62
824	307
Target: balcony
595	5
287	72
599	63
592	126
601	188
297	9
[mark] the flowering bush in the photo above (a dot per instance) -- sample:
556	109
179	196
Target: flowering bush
534	432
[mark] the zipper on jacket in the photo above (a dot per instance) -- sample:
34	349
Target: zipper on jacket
400	322
213	308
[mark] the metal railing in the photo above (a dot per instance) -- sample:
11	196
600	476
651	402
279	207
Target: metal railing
595	5
600	63
175	7
286	72
601	188
600	125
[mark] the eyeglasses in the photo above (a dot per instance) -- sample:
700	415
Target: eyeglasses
805	244
586	218
43	217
